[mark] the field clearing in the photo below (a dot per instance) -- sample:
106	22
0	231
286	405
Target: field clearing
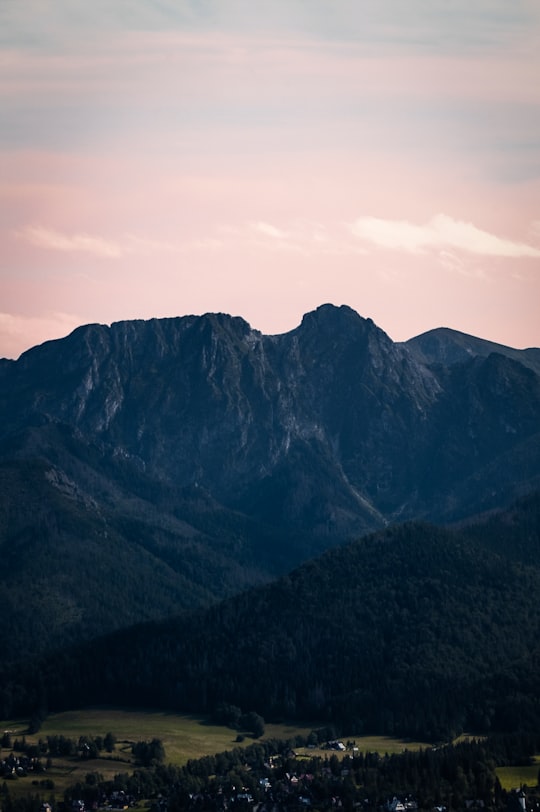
516	777
183	736
366	744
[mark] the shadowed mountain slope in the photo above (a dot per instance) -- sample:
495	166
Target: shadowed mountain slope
188	458
448	347
414	630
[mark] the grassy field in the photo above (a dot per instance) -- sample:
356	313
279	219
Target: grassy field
516	777
371	744
184	737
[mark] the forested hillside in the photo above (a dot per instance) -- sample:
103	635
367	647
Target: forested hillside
73	566
414	630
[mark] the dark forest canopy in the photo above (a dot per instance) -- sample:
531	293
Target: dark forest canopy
415	630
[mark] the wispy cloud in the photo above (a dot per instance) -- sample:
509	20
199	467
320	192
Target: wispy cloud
441	232
86	243
269	230
82	242
456	25
300	237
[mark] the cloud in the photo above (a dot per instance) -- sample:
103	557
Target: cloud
301	237
56	241
441	232
269	230
453	24
91	244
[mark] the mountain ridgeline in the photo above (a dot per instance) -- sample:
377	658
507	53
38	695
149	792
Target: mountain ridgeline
152	467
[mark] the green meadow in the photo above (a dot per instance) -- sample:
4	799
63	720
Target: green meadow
183	736
517	777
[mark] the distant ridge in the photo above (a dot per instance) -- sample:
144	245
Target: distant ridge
445	346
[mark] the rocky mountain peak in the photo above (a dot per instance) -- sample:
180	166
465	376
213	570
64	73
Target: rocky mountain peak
337	322
208	399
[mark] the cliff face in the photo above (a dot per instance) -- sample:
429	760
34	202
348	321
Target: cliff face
259	451
209	401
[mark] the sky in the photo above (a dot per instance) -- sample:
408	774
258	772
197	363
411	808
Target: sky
170	157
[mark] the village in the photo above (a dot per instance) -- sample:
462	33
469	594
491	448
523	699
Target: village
288	780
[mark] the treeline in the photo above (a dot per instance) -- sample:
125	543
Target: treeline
87	747
232	716
415	631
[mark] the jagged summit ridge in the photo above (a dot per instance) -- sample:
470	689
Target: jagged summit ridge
221	456
209	399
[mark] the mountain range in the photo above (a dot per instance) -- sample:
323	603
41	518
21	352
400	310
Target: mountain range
152	467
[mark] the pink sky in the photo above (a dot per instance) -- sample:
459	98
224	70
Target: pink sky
178	157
